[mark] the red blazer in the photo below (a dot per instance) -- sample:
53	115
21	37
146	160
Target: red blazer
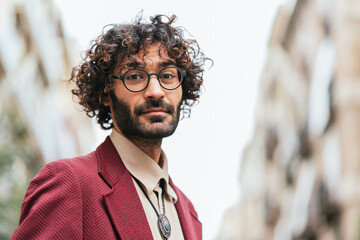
92	197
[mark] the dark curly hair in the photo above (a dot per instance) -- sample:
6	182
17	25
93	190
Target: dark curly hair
93	75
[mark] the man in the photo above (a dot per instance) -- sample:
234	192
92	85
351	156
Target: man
136	79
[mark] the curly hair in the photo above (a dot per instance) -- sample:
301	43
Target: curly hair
93	75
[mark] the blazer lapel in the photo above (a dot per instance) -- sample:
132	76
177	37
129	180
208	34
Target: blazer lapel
122	201
191	226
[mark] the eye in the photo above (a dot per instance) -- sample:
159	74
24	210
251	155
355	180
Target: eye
167	76
135	75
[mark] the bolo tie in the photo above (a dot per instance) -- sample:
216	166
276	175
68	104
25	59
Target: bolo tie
163	221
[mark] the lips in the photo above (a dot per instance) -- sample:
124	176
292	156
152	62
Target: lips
155	111
154	107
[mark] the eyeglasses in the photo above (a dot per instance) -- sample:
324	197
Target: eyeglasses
136	80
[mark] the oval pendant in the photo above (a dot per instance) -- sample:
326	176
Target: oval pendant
164	225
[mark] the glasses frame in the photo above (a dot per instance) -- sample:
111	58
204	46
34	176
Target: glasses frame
122	78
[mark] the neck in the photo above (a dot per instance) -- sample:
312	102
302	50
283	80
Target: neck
152	147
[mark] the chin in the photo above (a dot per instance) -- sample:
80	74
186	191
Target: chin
156	130
156	119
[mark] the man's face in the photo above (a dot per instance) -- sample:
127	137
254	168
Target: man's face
151	113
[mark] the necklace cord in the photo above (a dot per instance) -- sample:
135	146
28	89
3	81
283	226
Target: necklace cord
148	198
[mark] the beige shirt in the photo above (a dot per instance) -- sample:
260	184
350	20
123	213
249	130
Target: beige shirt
149	173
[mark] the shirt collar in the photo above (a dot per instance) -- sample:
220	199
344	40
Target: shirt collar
141	165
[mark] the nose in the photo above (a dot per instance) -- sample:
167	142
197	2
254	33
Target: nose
154	90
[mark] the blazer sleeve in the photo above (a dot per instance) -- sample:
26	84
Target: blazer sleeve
52	207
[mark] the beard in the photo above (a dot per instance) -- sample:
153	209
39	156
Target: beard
130	125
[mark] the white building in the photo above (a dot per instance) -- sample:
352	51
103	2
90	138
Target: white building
39	121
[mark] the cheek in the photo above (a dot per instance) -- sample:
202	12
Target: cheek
178	95
127	97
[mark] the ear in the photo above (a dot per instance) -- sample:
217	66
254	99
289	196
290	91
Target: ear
106	100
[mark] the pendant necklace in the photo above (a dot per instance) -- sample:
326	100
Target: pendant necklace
163	221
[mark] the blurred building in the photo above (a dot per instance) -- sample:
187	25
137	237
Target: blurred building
39	121
300	172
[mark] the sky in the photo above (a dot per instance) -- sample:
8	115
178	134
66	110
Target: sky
205	152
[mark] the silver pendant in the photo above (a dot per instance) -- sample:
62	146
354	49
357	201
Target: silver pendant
164	225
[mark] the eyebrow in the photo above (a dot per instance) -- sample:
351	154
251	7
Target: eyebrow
167	63
133	64
136	64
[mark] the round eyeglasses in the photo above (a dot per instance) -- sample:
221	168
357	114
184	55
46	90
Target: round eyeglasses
136	80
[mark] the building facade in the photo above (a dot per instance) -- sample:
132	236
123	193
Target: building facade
39	121
300	172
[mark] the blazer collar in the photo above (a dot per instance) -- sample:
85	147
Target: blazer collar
122	201
141	165
124	206
191	226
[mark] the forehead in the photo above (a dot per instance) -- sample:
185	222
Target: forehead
153	55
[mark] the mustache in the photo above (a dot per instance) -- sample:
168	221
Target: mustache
154	103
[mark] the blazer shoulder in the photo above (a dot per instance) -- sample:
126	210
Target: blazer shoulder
76	165
181	195
88	161
53	203
62	173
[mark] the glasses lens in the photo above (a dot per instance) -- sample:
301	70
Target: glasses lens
170	78
135	80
